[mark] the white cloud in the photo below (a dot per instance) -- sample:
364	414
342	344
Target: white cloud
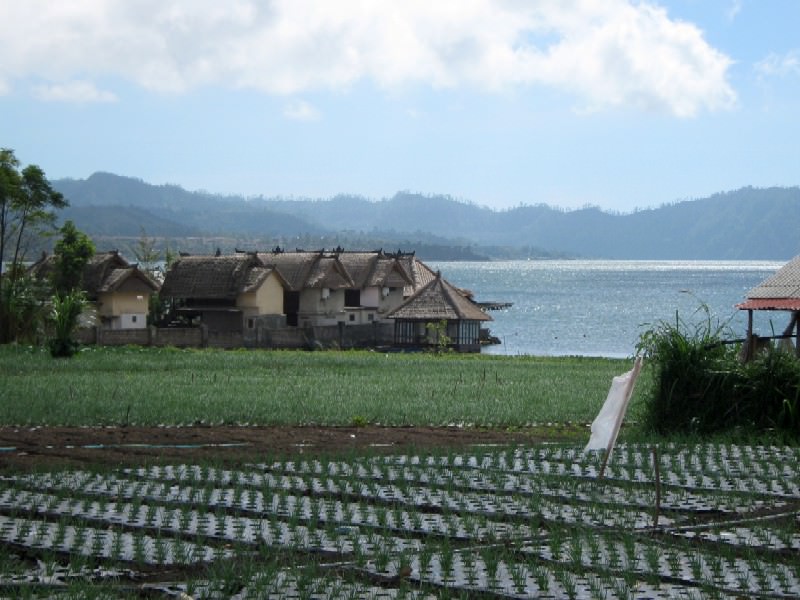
72	91
780	65
300	110
607	52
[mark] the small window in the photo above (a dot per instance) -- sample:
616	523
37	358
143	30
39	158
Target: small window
370	317
352	317
251	323
133	318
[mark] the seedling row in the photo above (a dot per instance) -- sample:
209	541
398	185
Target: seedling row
716	521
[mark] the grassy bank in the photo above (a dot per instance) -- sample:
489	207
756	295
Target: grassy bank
113	386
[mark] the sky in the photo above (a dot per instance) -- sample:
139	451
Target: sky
621	104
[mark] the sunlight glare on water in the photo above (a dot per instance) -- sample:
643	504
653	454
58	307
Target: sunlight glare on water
601	308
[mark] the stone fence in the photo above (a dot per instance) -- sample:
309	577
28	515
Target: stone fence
327	336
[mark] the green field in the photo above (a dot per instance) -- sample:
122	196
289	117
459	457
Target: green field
145	386
669	519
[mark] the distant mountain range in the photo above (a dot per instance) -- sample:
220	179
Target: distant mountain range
749	223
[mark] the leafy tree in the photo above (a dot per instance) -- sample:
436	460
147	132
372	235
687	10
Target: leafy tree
146	253
23	302
170	256
27	211
72	252
437	334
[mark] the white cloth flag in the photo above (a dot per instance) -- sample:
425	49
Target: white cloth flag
606	425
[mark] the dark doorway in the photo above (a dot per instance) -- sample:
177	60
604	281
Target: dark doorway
352	298
291	306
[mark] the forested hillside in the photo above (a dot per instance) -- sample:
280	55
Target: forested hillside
749	223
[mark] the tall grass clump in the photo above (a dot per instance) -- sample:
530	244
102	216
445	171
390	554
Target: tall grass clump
700	385
65	314
770	390
691	384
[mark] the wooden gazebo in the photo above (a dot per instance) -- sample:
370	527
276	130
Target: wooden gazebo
439	301
780	292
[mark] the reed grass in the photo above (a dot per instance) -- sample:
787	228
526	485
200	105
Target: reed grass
149	386
700	385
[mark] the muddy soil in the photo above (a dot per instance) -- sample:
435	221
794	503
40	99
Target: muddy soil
31	448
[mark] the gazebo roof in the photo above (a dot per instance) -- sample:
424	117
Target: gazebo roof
439	300
781	291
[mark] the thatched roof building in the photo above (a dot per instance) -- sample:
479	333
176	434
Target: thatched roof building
104	273
223	292
416	320
375	269
303	270
118	292
215	278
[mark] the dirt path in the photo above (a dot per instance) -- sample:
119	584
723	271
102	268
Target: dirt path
28	448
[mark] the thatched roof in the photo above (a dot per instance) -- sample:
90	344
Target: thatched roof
303	270
375	269
127	278
105	272
214	277
99	267
436	301
420	273
328	272
294	266
781	291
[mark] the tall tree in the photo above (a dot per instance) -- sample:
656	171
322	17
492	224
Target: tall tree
27	206
27	210
72	252
147	254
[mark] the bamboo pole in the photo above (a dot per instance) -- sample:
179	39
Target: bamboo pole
657	468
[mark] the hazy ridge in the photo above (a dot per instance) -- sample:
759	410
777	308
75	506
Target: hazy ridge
749	223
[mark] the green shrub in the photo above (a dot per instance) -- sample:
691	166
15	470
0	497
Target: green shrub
700	386
66	311
21	309
770	389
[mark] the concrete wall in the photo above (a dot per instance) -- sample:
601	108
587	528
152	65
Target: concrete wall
353	336
118	303
371	297
281	337
181	337
391	301
122	337
225	339
266	300
315	308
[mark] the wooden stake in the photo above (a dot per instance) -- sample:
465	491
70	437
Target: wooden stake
657	468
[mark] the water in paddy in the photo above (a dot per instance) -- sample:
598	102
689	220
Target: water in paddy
601	308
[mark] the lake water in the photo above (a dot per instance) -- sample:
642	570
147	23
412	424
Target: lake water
601	308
